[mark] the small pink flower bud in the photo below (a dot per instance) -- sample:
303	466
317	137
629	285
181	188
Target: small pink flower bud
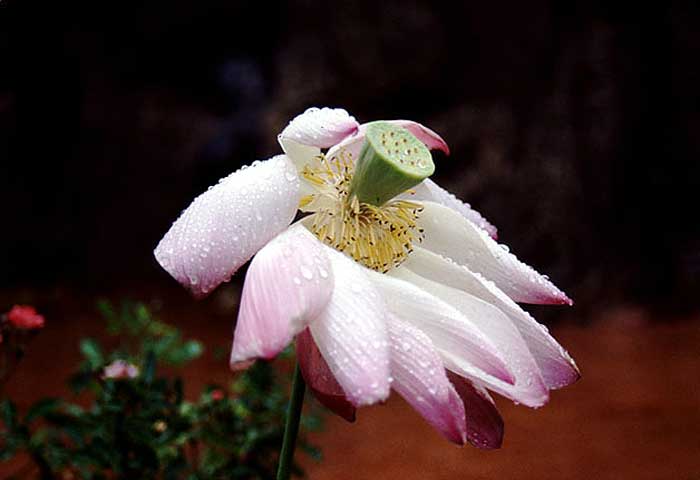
25	317
119	369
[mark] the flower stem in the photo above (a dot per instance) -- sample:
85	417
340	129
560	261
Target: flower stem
291	428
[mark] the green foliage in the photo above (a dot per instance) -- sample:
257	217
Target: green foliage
143	427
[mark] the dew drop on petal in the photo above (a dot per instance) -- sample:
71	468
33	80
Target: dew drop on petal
306	272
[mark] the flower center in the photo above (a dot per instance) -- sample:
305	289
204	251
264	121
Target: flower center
379	237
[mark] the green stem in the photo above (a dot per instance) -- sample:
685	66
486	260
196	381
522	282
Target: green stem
291	427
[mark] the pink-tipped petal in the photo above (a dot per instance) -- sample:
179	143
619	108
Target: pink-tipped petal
352	145
351	333
450	234
528	388
319	378
419	377
431	139
484	423
319	127
451	332
432	192
228	223
289	282
557	366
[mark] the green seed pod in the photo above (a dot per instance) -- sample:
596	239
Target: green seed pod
391	161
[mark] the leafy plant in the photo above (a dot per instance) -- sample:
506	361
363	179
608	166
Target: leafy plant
139	425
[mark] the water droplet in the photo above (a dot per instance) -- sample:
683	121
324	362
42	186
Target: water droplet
306	272
296	280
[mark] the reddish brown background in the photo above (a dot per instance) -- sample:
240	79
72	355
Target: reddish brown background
633	415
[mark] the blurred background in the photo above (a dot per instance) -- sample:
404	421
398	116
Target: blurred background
574	128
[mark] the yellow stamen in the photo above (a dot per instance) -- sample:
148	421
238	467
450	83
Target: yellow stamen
378	237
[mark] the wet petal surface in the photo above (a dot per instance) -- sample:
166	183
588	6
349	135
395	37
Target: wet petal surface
450	234
226	225
351	333
455	335
528	387
557	366
420	378
289	282
428	190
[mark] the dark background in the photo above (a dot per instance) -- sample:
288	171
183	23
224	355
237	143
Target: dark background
574	127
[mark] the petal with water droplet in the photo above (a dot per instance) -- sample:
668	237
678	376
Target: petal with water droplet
484	423
351	333
451	332
450	234
528	388
428	190
557	366
218	232
419	377
320	379
314	129
319	127
276	304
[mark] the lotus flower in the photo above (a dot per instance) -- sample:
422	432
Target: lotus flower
413	295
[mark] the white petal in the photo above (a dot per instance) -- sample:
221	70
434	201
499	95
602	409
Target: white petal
557	366
450	234
288	283
419	377
314	129
428	190
451	332
351	333
300	155
529	388
228	223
